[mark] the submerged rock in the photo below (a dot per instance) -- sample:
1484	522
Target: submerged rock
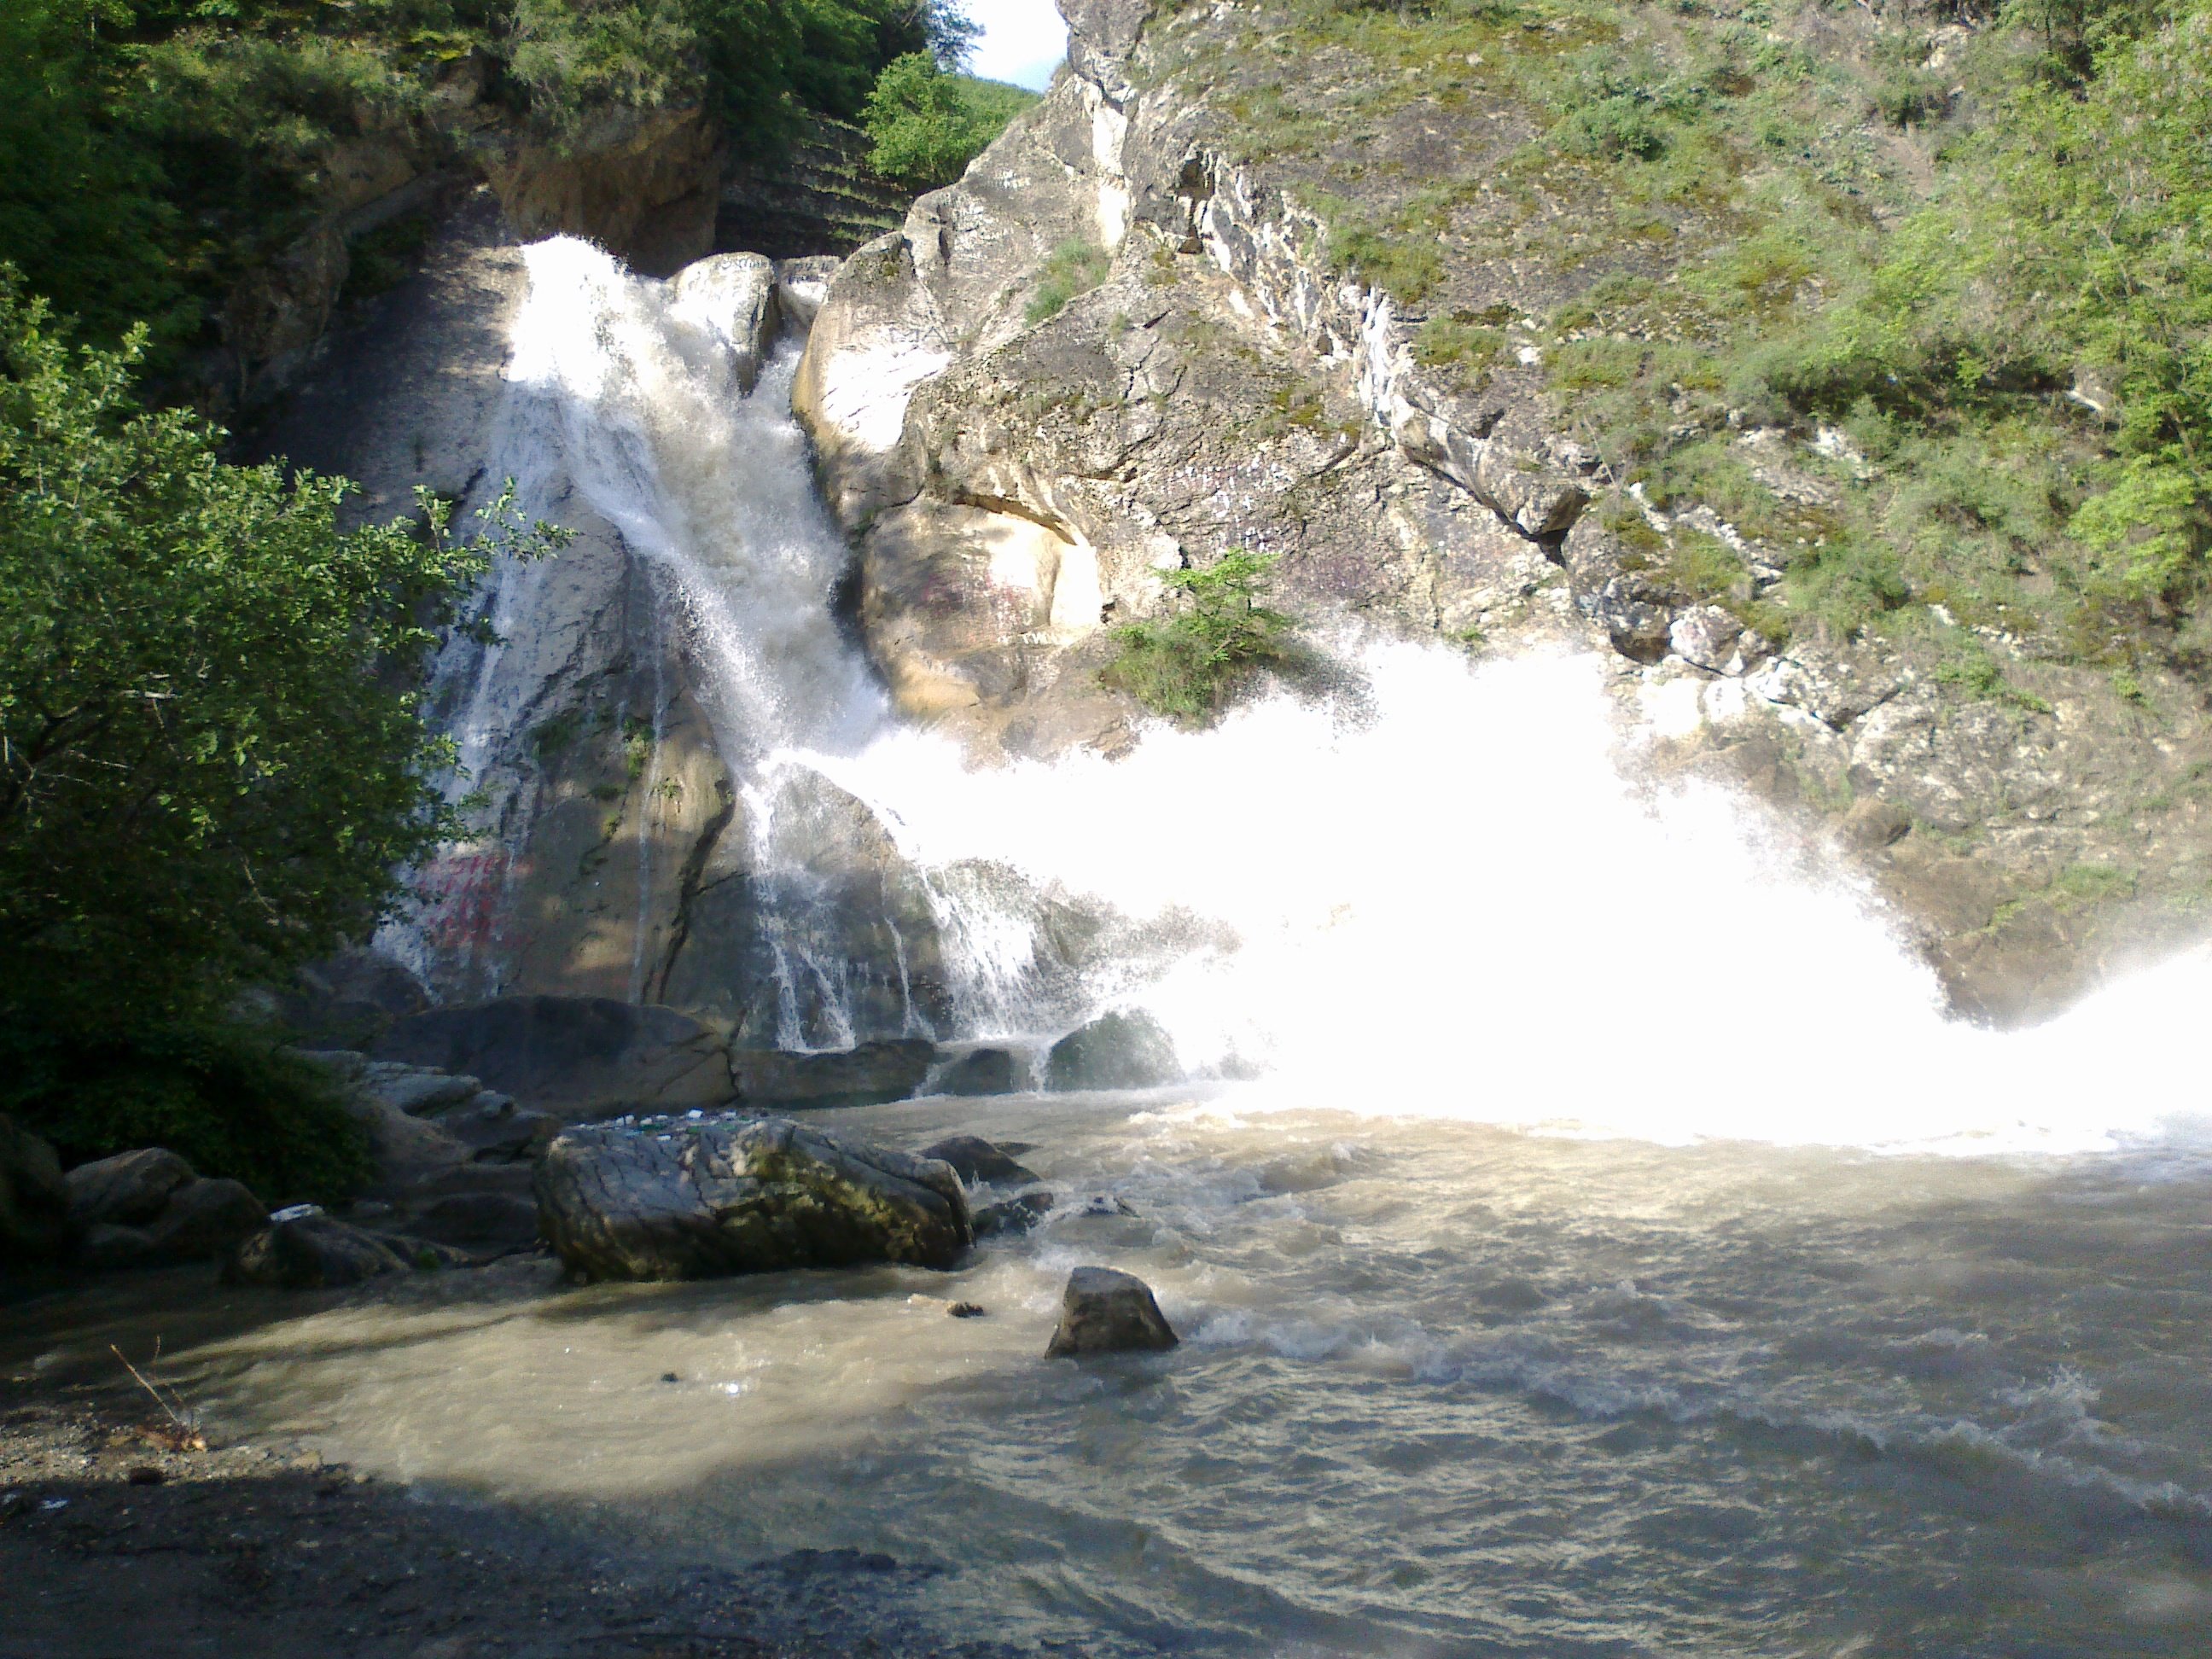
1105	1311
1114	1051
870	1075
127	1190
1012	1217
304	1249
976	1159
743	1197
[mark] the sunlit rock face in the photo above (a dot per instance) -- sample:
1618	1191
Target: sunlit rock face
1009	447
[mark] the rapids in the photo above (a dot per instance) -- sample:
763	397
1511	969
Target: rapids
1594	1237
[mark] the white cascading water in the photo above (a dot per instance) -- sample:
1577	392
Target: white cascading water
1442	896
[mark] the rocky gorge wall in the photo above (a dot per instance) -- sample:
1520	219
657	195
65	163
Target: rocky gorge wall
1114	348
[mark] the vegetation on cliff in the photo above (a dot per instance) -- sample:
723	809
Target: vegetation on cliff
1219	634
1957	260
154	152
212	767
928	123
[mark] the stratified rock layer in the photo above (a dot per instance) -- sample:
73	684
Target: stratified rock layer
741	1197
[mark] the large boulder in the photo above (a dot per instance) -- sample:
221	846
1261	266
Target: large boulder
1114	1051
869	1075
304	1249
34	1219
730	299
204	1218
1105	1311
741	1197
577	1057
979	1071
127	1190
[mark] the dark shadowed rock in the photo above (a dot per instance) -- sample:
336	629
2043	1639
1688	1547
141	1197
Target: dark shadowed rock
746	1197
204	1218
982	1072
1012	1217
576	1057
1105	1311
127	1190
309	1251
478	1220
869	1075
1115	1051
34	1222
493	1127
107	1247
977	1159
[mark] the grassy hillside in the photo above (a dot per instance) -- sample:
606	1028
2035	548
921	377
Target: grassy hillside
1918	301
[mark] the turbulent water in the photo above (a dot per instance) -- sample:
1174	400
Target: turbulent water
1612	1248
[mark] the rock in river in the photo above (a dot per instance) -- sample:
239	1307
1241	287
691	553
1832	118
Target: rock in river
742	1196
304	1249
34	1220
976	1159
1114	1051
1105	1311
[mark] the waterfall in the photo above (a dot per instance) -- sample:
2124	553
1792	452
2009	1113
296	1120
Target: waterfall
1444	892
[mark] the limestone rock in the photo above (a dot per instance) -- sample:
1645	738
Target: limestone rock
127	1190
1115	1051
306	1250
976	1159
575	1057
34	1207
748	1197
731	299
868	1075
642	182
205	1218
1105	1311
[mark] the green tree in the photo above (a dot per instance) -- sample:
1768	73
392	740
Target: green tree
212	767
1220	635
929	124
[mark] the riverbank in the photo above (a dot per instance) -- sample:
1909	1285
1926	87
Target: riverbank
114	1545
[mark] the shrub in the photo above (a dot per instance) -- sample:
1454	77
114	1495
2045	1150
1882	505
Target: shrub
1073	269
1189	665
928	125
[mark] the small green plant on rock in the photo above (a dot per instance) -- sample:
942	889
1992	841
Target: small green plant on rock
1189	666
1073	269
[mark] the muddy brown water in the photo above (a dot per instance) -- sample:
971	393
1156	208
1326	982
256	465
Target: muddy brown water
1443	1388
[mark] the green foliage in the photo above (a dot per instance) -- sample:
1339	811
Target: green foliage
1188	666
929	124
211	763
225	1097
1072	269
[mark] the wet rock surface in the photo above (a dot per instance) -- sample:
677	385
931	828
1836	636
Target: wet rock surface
313	1252
975	1159
980	1072
1115	1051
869	1074
707	1198
1105	1311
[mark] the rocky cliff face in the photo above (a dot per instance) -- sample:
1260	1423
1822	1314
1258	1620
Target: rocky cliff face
1121	344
